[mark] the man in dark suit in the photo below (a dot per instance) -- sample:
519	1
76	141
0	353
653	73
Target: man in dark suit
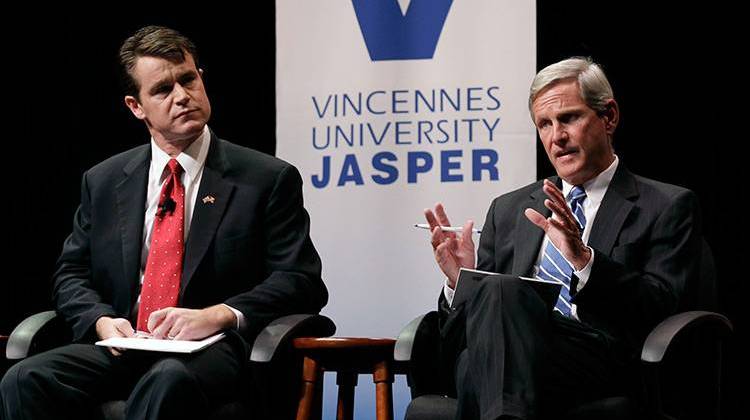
623	247
181	238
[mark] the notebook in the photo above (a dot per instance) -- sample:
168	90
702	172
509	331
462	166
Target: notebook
468	283
153	344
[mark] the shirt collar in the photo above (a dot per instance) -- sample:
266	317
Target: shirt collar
191	159
595	188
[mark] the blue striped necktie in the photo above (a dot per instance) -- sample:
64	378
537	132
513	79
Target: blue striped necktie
554	266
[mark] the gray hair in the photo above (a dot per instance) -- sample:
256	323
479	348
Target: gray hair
592	82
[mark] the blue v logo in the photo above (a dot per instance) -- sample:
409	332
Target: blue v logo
391	35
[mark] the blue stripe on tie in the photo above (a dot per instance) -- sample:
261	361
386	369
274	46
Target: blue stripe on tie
558	261
554	266
564	302
544	275
575	201
579	216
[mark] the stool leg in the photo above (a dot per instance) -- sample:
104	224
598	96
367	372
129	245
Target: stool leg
317	412
346	382
310	377
383	397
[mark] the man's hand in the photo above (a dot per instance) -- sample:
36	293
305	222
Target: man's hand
190	324
107	327
562	229
452	251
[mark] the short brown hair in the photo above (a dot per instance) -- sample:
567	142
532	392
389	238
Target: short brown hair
152	41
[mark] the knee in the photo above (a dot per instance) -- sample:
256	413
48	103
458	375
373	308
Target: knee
167	390
9	382
25	380
17	377
171	372
500	292
490	284
500	287
9	395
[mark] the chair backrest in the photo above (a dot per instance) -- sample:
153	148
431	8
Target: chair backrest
700	295
693	392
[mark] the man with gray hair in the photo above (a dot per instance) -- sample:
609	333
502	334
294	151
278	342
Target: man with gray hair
623	248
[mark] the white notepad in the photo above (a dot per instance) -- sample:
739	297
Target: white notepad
153	344
468	283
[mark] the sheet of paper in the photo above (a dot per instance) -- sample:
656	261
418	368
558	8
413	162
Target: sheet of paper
152	344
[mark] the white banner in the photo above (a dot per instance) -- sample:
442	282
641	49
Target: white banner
387	107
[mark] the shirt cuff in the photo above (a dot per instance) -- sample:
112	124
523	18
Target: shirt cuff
584	274
239	316
448	293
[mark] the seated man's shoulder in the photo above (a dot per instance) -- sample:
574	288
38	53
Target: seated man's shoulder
124	161
245	162
661	193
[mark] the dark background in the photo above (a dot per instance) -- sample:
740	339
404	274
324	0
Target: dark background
675	71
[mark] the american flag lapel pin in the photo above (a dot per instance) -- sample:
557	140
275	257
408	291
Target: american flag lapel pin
209	199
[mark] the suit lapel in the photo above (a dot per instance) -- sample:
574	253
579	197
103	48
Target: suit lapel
528	237
613	210
207	213
131	208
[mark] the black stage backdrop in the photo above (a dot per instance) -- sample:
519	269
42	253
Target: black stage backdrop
675	71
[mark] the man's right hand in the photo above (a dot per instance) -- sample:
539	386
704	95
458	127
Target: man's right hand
452	251
107	327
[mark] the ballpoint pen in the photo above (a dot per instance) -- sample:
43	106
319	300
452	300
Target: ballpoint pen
445	228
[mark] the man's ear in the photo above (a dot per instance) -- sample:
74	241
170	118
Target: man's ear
611	116
132	103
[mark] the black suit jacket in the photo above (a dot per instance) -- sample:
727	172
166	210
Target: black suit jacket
646	240
250	248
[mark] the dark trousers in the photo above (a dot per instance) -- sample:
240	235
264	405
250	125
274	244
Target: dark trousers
70	382
522	360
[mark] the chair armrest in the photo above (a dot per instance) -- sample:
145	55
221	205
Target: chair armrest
22	340
658	341
283	329
420	353
405	341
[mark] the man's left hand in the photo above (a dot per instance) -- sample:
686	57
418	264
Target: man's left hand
190	324
562	228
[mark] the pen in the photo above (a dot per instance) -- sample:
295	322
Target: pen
445	228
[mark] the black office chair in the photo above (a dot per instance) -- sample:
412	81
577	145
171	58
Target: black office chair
273	365
680	359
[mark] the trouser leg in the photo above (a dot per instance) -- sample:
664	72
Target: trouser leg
466	392
526	362
190	386
66	382
581	364
506	328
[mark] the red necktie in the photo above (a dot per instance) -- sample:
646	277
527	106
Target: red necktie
161	281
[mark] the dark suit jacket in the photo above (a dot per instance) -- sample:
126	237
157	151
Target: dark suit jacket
646	240
250	249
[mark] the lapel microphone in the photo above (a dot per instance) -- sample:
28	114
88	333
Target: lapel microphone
167	206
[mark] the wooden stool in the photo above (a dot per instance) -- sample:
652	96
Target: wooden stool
348	357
